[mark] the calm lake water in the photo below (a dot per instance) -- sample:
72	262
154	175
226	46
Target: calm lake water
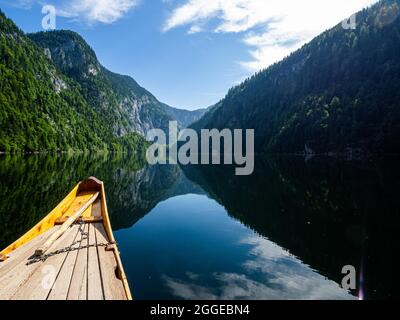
200	232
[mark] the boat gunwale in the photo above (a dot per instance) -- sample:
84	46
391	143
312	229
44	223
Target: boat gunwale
43	225
110	234
49	221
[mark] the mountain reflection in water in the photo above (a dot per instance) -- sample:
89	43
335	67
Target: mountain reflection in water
200	232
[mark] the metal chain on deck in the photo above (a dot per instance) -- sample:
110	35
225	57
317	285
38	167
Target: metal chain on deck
71	248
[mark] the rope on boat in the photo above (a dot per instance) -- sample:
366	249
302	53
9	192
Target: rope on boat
70	248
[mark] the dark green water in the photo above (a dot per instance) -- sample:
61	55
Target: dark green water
200	232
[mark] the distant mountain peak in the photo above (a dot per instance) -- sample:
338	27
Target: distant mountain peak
56	96
69	51
136	108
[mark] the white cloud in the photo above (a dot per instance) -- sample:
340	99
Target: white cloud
21	4
89	11
269	273
93	11
271	28
195	29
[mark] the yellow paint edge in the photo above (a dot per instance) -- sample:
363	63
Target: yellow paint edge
45	224
108	228
49	221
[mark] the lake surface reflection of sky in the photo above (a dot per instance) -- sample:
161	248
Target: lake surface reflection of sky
188	247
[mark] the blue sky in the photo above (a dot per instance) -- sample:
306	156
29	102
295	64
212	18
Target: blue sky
188	53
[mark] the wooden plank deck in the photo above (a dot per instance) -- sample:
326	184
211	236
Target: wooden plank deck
82	264
82	274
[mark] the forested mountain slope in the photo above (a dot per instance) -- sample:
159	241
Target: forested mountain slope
340	93
41	109
56	96
134	108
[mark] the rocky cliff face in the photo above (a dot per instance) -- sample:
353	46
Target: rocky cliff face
53	99
133	108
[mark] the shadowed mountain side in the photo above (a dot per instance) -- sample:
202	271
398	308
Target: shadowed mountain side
338	94
327	213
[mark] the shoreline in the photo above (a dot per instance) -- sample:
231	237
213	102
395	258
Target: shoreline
334	155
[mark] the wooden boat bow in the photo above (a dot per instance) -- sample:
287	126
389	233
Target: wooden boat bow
77	241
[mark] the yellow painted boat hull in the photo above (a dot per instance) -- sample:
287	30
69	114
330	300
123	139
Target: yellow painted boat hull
96	219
